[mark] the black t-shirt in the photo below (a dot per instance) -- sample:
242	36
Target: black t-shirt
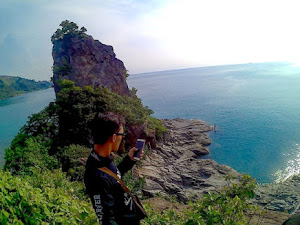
109	199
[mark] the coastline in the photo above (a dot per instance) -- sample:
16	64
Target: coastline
176	168
22	93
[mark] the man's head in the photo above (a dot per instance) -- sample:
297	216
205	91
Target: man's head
107	125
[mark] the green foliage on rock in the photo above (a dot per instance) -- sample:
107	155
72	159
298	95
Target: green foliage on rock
12	86
64	69
68	29
163	218
156	125
89	100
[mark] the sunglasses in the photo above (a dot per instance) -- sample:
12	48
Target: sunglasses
121	134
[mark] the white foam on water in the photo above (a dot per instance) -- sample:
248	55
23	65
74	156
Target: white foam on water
292	167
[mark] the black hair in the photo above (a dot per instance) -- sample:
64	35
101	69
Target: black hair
105	125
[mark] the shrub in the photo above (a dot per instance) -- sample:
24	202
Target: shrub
27	152
157	125
44	123
164	218
70	158
21	203
64	69
225	207
58	180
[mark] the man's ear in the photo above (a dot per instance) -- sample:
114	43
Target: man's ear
114	138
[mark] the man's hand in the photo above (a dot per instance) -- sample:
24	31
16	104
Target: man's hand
131	152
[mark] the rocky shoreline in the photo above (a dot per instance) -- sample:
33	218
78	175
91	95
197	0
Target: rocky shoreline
284	197
176	168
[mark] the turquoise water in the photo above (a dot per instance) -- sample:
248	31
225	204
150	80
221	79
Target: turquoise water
14	113
255	107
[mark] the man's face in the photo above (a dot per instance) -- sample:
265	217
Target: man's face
118	139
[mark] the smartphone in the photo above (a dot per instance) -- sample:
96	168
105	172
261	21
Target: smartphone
139	145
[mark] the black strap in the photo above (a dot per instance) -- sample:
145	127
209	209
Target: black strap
109	172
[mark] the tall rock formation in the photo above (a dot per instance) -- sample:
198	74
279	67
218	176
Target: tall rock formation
88	62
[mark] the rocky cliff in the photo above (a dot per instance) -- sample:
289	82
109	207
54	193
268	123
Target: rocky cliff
176	167
88	62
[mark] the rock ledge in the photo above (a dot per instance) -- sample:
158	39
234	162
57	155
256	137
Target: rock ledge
176	167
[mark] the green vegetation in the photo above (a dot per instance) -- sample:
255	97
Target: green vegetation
68	30
64	69
23	202
27	153
69	157
12	86
77	107
225	207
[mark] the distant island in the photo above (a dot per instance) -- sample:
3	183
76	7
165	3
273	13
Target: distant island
11	86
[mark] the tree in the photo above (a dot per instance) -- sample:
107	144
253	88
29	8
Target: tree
68	29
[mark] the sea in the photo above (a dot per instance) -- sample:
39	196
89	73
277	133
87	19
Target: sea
14	113
255	108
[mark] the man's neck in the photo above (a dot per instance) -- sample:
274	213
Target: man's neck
103	150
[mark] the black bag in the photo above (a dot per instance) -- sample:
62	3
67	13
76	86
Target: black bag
294	220
137	207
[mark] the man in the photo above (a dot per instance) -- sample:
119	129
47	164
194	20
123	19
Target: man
108	197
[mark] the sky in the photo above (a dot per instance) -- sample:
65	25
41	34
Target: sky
152	35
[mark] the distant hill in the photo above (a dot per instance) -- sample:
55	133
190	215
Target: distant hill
12	86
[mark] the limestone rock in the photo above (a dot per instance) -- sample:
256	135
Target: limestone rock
175	167
88	62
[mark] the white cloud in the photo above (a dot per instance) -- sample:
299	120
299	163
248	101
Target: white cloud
216	31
